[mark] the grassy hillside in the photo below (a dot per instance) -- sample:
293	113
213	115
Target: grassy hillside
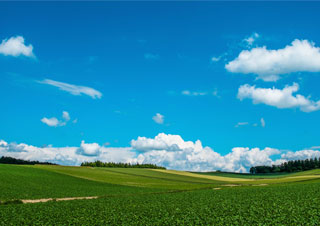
144	178
156	197
31	182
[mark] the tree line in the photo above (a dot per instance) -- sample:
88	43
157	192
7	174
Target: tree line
288	167
121	165
10	160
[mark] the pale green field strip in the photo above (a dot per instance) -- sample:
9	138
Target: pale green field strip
288	178
144	178
209	177
149	173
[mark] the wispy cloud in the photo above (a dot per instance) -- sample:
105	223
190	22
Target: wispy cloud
215	59
241	124
200	93
15	46
73	89
251	39
150	56
193	93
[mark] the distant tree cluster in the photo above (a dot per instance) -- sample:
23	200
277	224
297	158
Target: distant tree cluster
289	167
10	160
121	165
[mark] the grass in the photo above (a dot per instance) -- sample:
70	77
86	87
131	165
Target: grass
204	176
32	182
155	197
144	178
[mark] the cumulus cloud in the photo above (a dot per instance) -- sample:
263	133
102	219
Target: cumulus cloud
280	98
15	46
161	142
298	155
158	118
173	152
51	121
300	56
54	122
73	89
91	149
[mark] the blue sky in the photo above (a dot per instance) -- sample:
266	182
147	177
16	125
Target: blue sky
168	58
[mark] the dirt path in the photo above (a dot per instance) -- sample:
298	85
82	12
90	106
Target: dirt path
57	199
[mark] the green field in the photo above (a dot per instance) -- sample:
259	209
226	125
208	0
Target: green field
156	197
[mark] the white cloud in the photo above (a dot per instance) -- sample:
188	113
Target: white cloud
161	142
299	155
173	152
15	46
215	59
65	116
91	149
241	124
280	98
74	89
66	155
56	122
150	56
263	122
50	121
251	39
3	143
158	118
301	55
166	150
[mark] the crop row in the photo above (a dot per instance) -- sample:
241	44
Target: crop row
286	204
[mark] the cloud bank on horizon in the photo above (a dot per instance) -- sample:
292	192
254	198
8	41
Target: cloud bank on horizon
166	150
